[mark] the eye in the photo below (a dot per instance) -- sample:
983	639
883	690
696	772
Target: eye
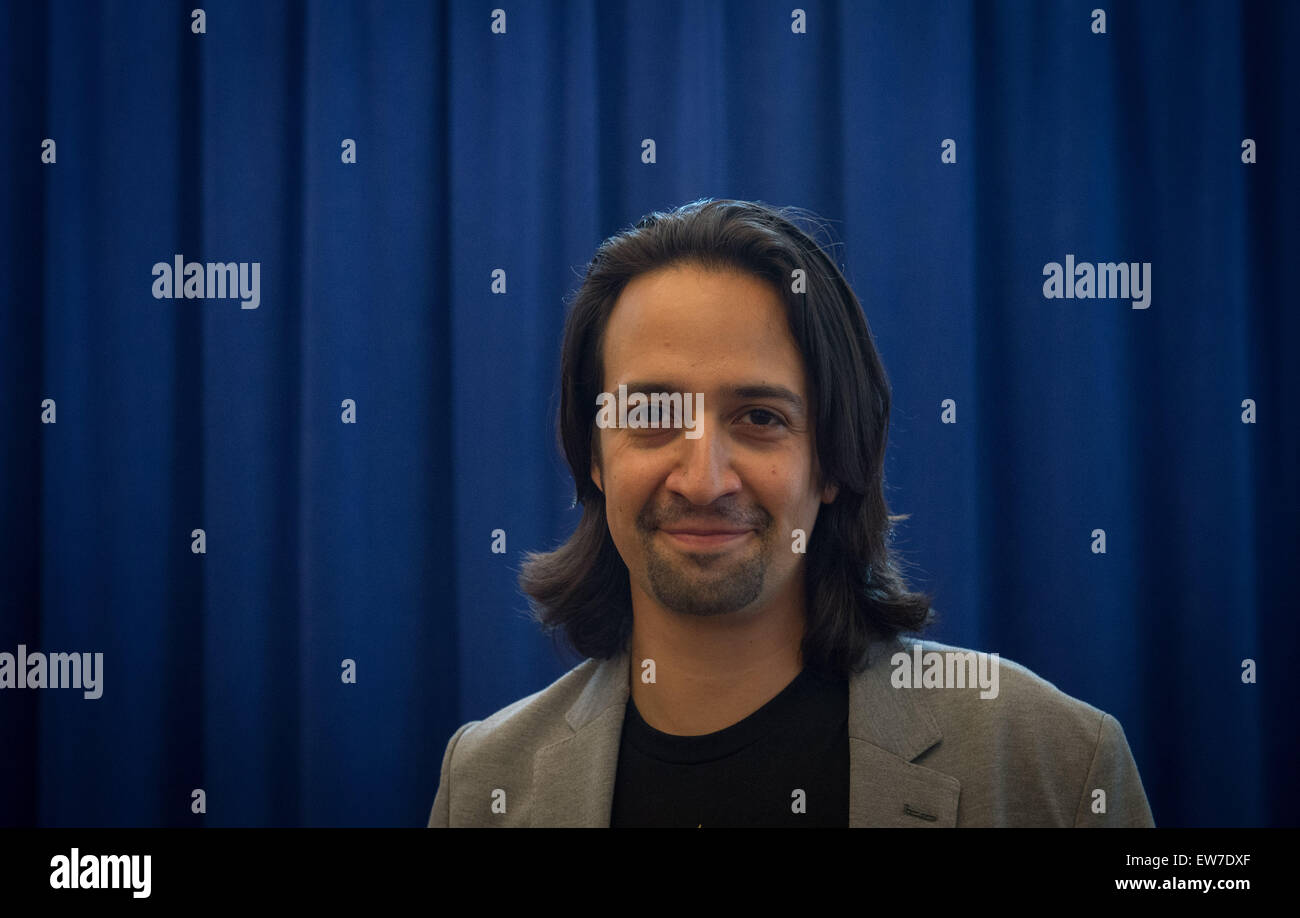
765	418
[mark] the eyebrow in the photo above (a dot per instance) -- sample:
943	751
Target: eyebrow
749	390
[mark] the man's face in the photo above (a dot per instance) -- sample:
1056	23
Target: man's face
705	525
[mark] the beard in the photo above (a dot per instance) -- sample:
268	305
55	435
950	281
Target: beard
704	583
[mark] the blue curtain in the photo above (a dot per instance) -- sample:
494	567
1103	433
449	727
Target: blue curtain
478	151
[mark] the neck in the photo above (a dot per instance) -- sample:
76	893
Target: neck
712	672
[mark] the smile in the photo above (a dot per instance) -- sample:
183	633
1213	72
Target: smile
706	538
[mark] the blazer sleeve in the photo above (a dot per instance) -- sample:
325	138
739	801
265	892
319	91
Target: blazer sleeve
1113	771
440	816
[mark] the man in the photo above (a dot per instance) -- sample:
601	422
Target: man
732	584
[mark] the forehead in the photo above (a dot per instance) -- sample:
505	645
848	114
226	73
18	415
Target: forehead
700	326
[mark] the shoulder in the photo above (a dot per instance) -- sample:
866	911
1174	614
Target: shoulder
529	723
500	748
1004	694
1024	751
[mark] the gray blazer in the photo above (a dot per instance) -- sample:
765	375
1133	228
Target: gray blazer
921	757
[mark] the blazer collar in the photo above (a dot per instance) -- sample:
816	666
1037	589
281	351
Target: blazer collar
888	729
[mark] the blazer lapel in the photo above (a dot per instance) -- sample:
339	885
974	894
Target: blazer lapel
573	779
888	728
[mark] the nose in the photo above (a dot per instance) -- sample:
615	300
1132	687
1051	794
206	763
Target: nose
703	471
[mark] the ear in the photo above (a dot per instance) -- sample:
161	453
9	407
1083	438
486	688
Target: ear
595	475
829	493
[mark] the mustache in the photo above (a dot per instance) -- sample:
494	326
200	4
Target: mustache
730	517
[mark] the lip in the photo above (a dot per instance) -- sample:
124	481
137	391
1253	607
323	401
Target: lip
706	538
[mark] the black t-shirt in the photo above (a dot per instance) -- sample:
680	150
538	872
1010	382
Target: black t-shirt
746	774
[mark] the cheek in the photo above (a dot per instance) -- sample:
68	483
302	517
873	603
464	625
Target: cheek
633	479
789	497
625	498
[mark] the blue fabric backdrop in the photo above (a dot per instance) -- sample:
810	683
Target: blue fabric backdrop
478	150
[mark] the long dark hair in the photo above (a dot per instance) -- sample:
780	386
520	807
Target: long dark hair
855	589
